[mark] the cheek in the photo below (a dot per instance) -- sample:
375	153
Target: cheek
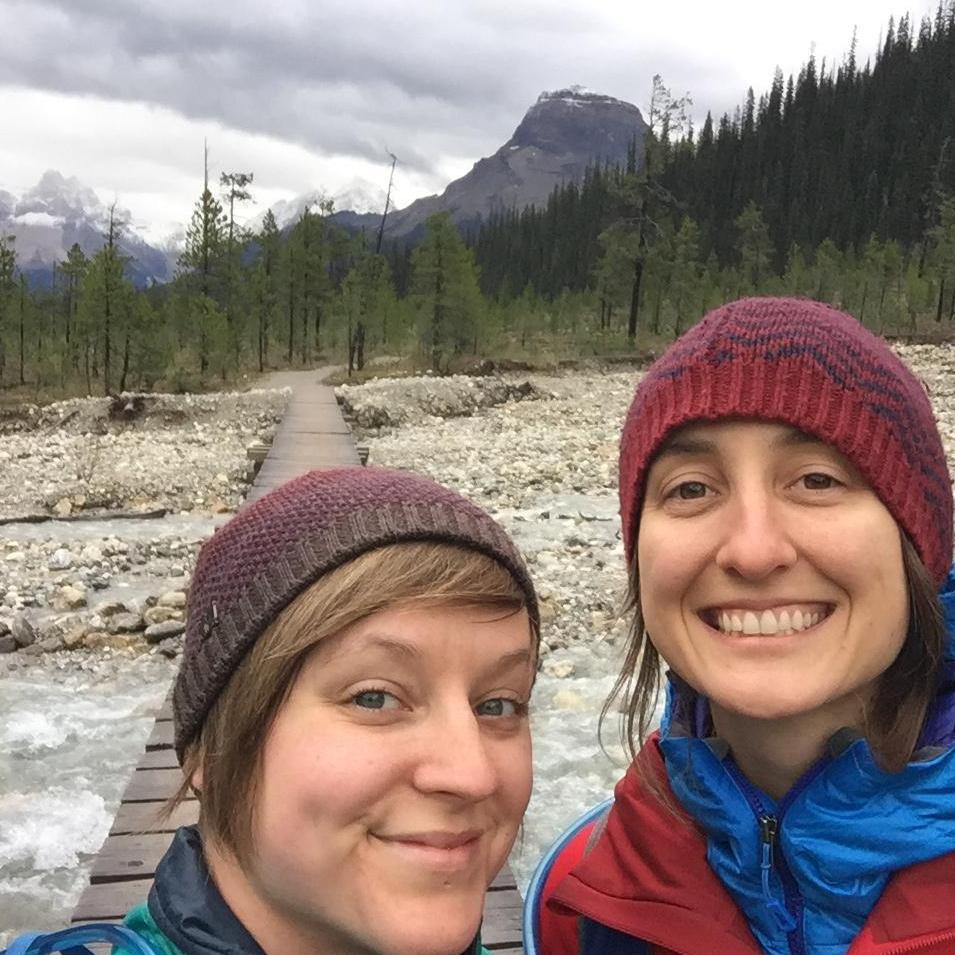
664	572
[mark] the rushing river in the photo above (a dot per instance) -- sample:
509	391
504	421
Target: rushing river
69	739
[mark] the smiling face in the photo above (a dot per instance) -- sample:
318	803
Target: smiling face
771	576
394	780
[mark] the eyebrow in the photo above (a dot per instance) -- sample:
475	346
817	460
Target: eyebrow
409	651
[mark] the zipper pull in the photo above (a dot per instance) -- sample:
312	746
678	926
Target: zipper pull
768	827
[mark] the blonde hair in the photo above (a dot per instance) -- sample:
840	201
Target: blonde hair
229	746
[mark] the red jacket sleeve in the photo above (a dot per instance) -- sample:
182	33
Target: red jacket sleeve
558	928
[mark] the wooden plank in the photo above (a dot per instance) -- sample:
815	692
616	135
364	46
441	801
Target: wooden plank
161	737
110	900
158	759
129	857
154	785
139	817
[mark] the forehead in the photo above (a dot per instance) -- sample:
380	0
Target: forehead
710	437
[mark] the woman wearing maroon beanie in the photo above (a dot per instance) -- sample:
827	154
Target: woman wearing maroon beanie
787	522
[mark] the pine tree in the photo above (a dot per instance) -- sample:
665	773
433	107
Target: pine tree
444	287
8	272
202	262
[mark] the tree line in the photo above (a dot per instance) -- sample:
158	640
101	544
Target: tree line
837	184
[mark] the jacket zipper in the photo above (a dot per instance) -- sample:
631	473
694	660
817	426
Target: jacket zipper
921	946
788	913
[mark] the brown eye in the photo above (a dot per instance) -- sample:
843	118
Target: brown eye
690	490
819	482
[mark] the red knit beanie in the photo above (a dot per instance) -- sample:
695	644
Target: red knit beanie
810	366
275	548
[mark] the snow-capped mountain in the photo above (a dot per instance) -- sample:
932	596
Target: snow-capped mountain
359	196
58	211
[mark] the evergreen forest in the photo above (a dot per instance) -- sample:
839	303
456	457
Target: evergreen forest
837	183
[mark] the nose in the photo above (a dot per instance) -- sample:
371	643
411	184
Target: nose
756	541
455	757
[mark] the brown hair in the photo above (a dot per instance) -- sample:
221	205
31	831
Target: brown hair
230	744
905	689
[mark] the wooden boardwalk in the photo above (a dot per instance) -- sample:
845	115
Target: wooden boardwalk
312	434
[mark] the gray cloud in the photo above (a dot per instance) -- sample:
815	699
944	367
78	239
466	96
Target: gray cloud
348	78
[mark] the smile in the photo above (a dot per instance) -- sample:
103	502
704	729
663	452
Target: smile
785	619
442	850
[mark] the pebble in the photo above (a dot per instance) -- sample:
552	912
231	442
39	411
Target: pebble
162	631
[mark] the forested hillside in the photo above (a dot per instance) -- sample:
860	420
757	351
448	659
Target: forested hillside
838	183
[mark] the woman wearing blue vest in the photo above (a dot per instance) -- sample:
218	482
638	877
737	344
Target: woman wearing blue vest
787	520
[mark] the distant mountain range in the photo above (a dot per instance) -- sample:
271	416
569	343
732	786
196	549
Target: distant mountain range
58	211
562	134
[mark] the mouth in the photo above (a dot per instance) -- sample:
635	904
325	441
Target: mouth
781	620
436	839
438	849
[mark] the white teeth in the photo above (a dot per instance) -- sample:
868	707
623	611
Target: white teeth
767	622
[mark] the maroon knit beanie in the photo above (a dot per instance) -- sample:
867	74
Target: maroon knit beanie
272	550
810	366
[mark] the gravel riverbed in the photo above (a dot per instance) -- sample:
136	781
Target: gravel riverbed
537	451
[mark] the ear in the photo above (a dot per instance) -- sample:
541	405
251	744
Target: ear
195	780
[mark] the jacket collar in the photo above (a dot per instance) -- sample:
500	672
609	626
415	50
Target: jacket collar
187	907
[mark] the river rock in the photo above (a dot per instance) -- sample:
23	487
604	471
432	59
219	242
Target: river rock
162	631
170	648
61	559
109	608
91	554
174	598
74	638
7	643
69	598
97	640
23	630
559	669
4	628
48	644
158	614
124	623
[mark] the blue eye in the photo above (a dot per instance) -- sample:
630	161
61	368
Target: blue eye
375	700
499	706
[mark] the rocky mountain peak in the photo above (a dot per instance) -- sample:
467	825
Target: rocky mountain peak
575	120
61	197
563	133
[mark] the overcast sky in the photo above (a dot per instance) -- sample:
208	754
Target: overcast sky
310	94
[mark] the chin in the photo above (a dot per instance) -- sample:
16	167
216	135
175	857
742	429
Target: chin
436	933
761	705
434	942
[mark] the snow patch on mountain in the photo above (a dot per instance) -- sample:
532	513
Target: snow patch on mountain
58	211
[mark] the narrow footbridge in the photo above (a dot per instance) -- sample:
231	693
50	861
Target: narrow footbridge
312	434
